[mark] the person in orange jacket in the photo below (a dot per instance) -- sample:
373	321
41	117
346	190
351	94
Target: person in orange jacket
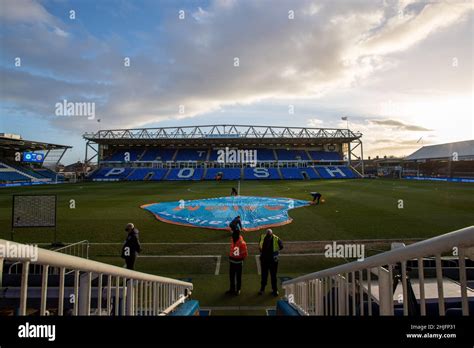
238	252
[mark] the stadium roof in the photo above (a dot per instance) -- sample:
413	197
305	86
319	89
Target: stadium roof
222	133
18	144
464	149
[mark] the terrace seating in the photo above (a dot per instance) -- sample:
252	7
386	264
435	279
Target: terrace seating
298	173
157	154
185	174
325	156
261	174
291	155
119	155
191	155
227	173
110	174
265	155
13	176
153	174
335	172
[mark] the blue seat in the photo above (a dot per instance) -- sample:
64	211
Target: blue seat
324	156
156	154
298	173
191	155
284	308
228	173
13	176
140	174
109	173
265	155
261	174
119	155
291	155
187	309
335	172
185	174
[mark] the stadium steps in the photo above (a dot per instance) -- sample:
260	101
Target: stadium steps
275	154
204	171
141	155
169	171
242	171
24	173
131	172
173	159
279	173
307	154
316	172
208	156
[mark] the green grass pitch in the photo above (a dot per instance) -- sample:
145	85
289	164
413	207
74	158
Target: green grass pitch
354	210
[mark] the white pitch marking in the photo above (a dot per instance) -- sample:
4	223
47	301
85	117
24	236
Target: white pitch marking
259	268
218	265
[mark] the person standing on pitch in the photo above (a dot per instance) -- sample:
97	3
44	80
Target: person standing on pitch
236	225
234	192
270	246
237	254
131	247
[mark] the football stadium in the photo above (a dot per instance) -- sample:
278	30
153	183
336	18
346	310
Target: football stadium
236	171
175	185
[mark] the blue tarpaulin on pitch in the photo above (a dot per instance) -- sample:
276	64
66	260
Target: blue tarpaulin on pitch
216	213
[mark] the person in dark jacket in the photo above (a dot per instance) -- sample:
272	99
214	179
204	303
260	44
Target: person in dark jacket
270	246
131	247
234	192
316	197
236	225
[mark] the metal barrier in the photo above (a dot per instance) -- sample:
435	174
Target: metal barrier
345	289
126	292
79	249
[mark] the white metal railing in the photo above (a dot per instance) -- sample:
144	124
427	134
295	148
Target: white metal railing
126	292
79	249
350	289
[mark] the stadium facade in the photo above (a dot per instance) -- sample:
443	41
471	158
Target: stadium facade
222	152
447	162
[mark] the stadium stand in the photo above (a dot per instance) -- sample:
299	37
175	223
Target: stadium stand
191	155
158	155
261	174
324	156
227	173
335	172
111	173
153	174
298	173
291	155
120	155
185	174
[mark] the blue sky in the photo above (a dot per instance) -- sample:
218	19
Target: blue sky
400	70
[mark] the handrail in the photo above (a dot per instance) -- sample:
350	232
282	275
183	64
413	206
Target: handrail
460	238
135	293
53	259
352	288
60	249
